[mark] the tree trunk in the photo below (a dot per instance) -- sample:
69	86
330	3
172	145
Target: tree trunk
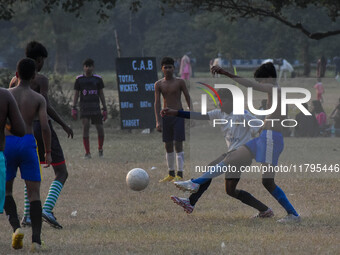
61	56
306	58
61	30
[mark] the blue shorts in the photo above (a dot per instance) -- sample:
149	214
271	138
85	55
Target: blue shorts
267	147
2	181
173	129
22	152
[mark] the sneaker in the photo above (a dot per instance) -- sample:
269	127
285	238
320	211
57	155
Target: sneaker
187	186
266	214
100	153
184	202
290	218
17	239
177	178
26	221
50	219
87	156
36	248
168	178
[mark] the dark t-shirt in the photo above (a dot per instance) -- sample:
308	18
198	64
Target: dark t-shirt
88	88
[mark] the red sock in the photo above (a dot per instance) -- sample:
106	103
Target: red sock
86	142
100	142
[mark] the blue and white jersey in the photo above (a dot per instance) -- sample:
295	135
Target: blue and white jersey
236	130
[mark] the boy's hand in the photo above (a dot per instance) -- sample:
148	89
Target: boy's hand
216	70
74	113
48	159
159	126
168	112
68	130
104	115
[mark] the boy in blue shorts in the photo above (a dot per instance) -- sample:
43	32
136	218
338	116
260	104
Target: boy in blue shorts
40	84
266	148
235	136
9	111
22	152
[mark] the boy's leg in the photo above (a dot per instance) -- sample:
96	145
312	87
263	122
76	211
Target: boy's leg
179	158
170	159
11	211
86	139
168	138
247	198
269	183
100	132
10	206
33	192
196	196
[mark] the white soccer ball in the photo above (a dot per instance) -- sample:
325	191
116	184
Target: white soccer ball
137	179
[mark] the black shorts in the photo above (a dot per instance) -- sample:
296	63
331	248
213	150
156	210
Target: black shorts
235	171
173	129
95	119
56	150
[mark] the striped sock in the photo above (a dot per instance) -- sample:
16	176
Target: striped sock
52	196
26	204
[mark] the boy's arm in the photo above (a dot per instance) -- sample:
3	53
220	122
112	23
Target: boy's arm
50	110
18	127
184	114
158	107
102	99
186	95
267	87
45	130
13	82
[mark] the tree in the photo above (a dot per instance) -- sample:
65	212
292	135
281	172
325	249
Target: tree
276	9
232	9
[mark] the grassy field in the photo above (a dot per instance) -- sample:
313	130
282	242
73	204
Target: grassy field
111	219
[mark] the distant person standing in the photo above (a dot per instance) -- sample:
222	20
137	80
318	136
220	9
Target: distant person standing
185	68
321	67
89	87
319	90
172	128
336	61
335	115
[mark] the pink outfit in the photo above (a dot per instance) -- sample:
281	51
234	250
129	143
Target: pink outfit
319	90
321	118
185	68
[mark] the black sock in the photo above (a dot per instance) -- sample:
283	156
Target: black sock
195	196
180	174
36	219
248	199
172	173
11	211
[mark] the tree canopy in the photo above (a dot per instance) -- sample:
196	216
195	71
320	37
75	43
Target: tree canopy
231	9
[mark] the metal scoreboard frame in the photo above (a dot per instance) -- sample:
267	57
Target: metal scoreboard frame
135	79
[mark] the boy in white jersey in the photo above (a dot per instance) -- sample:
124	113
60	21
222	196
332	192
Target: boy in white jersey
266	148
235	136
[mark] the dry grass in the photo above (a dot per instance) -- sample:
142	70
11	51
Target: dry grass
111	219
